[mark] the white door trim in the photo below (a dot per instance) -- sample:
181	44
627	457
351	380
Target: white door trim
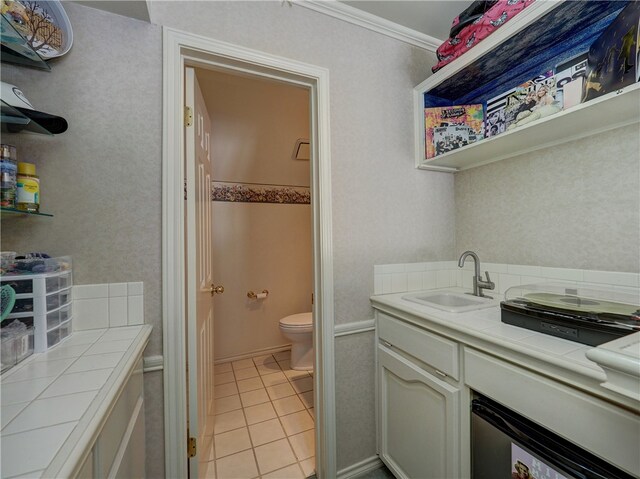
180	49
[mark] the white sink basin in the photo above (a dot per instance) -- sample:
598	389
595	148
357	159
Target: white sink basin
450	301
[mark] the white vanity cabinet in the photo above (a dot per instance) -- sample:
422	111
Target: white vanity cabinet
418	401
119	451
431	365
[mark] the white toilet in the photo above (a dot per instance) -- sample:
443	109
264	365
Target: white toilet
298	328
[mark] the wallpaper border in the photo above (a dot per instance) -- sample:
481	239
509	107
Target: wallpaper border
257	193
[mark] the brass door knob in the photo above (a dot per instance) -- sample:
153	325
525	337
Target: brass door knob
216	289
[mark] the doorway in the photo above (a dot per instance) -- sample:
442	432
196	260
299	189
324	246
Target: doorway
183	50
262	256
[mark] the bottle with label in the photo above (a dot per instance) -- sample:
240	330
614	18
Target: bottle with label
28	188
8	176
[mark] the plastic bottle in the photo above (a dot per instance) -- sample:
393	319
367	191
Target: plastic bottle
28	188
8	176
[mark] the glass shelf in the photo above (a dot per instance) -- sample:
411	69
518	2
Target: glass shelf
13	121
12	213
15	48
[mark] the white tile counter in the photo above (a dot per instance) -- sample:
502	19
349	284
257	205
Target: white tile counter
563	360
53	404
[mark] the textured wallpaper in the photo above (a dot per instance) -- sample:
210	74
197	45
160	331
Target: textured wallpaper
384	210
102	178
571	206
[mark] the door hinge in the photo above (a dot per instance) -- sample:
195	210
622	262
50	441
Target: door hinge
191	447
188	116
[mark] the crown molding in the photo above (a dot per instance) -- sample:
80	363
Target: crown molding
377	24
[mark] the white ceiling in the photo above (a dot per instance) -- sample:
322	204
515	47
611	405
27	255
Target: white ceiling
430	17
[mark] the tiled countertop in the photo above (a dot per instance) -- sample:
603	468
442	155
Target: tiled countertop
559	358
54	403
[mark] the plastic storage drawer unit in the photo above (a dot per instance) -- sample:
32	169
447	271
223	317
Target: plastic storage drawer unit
43	301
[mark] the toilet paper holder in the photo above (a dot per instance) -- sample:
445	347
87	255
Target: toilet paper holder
263	295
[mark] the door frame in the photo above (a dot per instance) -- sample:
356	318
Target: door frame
184	49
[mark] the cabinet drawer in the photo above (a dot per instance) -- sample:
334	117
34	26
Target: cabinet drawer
429	348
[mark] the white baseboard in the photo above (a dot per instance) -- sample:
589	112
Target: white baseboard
356	470
257	352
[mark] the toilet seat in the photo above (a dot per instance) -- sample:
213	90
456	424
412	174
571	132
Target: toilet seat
297	322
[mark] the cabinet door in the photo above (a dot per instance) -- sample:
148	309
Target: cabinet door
419	420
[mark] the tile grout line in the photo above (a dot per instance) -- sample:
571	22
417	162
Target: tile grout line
289	381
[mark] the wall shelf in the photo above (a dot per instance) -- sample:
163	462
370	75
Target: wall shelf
14	213
15	48
605	113
538	38
14	121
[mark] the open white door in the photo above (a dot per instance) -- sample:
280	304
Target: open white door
200	288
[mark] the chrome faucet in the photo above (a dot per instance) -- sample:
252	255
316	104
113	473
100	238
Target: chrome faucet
478	283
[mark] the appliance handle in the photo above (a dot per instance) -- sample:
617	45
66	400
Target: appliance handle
546	444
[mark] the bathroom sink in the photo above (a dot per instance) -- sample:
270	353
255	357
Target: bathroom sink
450	301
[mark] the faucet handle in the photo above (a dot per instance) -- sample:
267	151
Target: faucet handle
490	284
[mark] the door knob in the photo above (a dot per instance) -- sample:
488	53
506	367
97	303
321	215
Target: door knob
216	289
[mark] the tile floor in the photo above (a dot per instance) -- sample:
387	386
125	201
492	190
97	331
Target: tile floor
264	421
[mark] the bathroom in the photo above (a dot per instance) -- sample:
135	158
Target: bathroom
262	257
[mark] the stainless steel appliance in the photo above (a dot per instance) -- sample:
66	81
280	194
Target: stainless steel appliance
506	445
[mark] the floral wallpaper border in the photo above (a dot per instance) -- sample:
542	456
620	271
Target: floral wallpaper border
254	193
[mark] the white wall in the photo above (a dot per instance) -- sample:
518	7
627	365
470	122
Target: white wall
384	211
102	178
571	206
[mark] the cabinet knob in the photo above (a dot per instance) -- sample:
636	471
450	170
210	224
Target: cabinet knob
387	343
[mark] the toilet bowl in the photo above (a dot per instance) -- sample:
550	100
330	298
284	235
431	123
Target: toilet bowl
298	328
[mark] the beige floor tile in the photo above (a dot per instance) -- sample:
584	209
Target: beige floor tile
297	422
307	399
250	384
273	379
288	405
231	442
269	368
265	359
285	364
242	364
293	374
303	384
223	378
264	432
222	368
246	373
228	421
224	390
290	472
241	465
312	411
259	413
303	444
212	451
207	470
273	456
280	391
251	398
282	355
226	404
308	466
